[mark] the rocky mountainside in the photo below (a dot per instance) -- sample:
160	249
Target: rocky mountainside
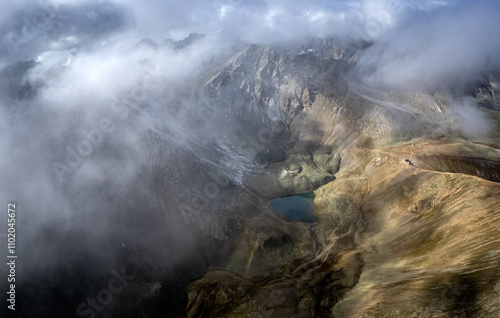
406	198
405	186
407	203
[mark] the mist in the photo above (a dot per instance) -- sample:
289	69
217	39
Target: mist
83	122
447	47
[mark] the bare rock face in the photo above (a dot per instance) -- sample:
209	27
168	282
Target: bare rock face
488	91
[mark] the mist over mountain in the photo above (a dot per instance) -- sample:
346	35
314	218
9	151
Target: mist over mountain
142	143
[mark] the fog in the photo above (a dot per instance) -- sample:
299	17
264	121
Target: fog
78	123
447	47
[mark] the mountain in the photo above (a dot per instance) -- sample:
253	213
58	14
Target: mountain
405	194
180	44
405	186
406	201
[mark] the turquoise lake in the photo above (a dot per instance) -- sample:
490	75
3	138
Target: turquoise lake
295	207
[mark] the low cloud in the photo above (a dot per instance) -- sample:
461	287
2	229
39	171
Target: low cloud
466	117
85	59
84	92
443	48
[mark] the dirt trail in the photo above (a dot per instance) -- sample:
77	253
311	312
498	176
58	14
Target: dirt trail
419	166
333	236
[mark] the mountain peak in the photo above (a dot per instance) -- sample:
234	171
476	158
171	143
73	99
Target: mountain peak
180	44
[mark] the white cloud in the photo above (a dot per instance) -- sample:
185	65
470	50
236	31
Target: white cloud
86	57
436	49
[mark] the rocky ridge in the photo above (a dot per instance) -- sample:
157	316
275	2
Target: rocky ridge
392	239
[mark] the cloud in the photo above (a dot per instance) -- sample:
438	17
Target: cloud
82	103
466	117
85	63
35	27
447	46
259	21
82	144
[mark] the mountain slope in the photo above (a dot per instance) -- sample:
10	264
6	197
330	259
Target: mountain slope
393	239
